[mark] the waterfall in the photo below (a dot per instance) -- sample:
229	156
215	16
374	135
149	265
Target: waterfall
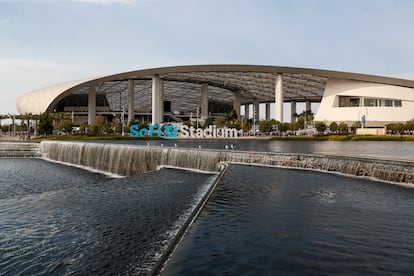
127	159
130	160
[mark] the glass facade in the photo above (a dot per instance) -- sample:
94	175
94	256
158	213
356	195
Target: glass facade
349	101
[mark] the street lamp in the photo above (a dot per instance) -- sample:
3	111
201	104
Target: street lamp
197	113
254	120
123	121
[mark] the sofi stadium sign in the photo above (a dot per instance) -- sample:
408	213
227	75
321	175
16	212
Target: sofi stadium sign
171	131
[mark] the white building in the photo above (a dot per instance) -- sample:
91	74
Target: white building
181	92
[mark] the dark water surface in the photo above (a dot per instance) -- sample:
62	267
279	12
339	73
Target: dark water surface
62	220
268	221
381	149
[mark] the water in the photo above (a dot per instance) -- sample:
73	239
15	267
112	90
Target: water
266	221
62	220
382	149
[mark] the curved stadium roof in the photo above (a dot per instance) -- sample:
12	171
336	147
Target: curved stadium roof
254	82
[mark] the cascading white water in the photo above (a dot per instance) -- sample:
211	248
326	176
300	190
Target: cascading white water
130	160
127	160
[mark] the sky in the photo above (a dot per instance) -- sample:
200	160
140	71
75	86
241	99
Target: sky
46	42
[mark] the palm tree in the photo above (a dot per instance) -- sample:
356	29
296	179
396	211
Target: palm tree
35	117
13	118
59	117
26	117
2	117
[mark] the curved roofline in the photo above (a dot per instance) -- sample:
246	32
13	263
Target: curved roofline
55	93
263	69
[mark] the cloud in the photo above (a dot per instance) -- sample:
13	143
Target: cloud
109	2
4	21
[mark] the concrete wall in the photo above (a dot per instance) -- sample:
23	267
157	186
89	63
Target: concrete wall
129	160
19	149
375	116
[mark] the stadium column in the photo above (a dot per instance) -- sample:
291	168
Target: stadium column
256	109
246	110
204	100
130	100
91	104
308	105
161	111
236	102
279	98
267	111
292	111
157	100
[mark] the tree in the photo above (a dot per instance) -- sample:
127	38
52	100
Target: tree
13	118
67	126
35	117
265	126
59	118
219	122
409	125
356	125
232	115
208	121
83	126
98	125
26	117
320	126
2	117
246	124
343	128
45	124
300	122
333	127
292	126
283	127
304	118
93	129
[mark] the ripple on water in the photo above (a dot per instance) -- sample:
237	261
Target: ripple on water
262	220
63	220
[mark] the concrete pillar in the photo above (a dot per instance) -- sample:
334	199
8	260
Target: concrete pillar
157	100
308	105
91	104
204	100
246	111
256	110
267	111
236	103
279	98
130	100
161	111
292	111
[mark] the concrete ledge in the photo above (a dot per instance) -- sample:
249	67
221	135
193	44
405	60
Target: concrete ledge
131	160
19	149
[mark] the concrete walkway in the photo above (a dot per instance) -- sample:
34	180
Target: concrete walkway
7	138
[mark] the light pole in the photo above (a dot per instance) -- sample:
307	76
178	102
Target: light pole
254	119
123	121
197	113
14	124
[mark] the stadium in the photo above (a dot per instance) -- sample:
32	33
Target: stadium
179	93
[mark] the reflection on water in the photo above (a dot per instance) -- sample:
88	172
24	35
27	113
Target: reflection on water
63	220
266	220
387	149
